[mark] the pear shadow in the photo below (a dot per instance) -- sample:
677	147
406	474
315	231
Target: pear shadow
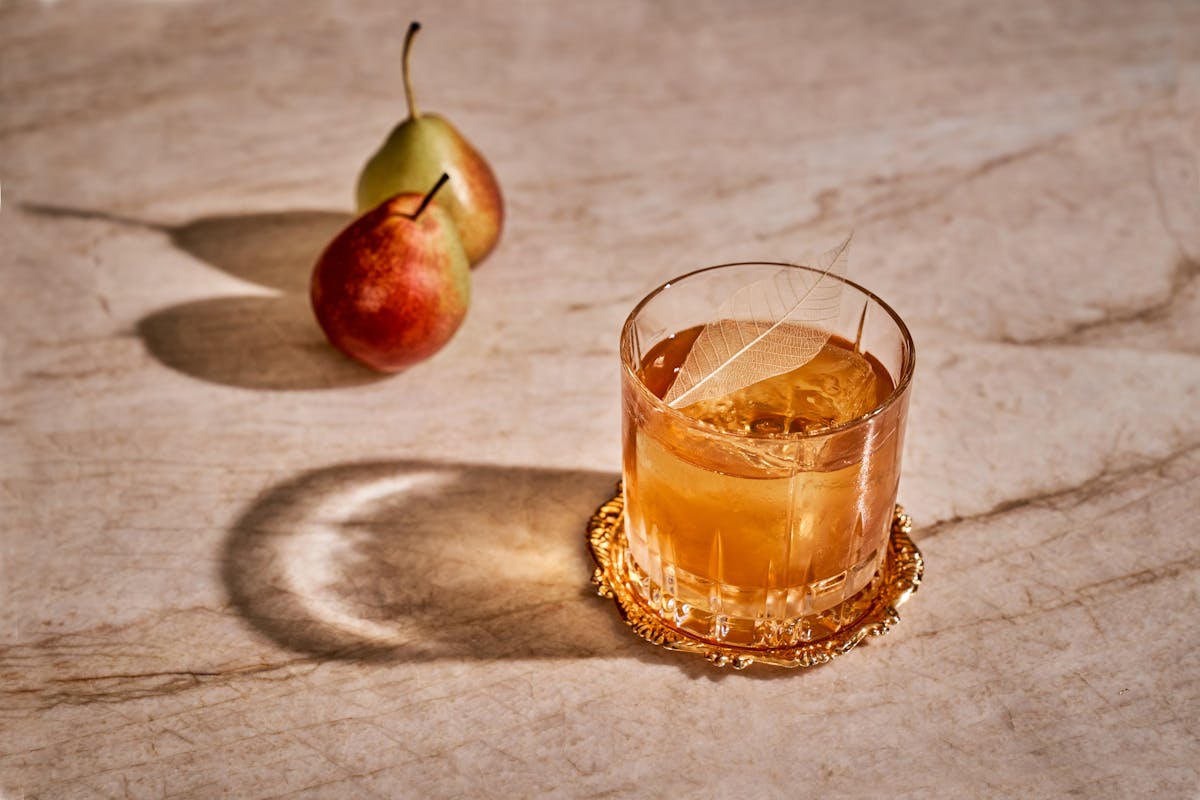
253	341
276	249
250	341
404	561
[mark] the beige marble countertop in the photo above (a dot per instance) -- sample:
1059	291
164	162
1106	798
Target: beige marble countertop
236	565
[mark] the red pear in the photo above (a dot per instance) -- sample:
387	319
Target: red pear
393	287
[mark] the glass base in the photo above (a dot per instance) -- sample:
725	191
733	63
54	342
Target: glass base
755	633
618	578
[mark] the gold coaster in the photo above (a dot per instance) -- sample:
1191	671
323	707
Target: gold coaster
902	570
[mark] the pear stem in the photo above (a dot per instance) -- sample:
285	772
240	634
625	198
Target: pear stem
429	197
408	90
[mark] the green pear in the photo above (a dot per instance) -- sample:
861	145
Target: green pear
420	149
392	288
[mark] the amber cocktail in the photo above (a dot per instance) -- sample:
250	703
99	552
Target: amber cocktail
761	518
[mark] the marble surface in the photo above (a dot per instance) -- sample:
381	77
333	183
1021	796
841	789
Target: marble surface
235	565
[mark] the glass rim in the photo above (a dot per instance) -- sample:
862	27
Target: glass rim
897	392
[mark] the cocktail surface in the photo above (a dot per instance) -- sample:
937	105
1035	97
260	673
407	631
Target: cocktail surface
838	385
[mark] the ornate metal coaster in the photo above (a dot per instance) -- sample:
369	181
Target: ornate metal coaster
902	570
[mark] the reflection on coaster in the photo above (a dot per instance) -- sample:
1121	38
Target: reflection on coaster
901	575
